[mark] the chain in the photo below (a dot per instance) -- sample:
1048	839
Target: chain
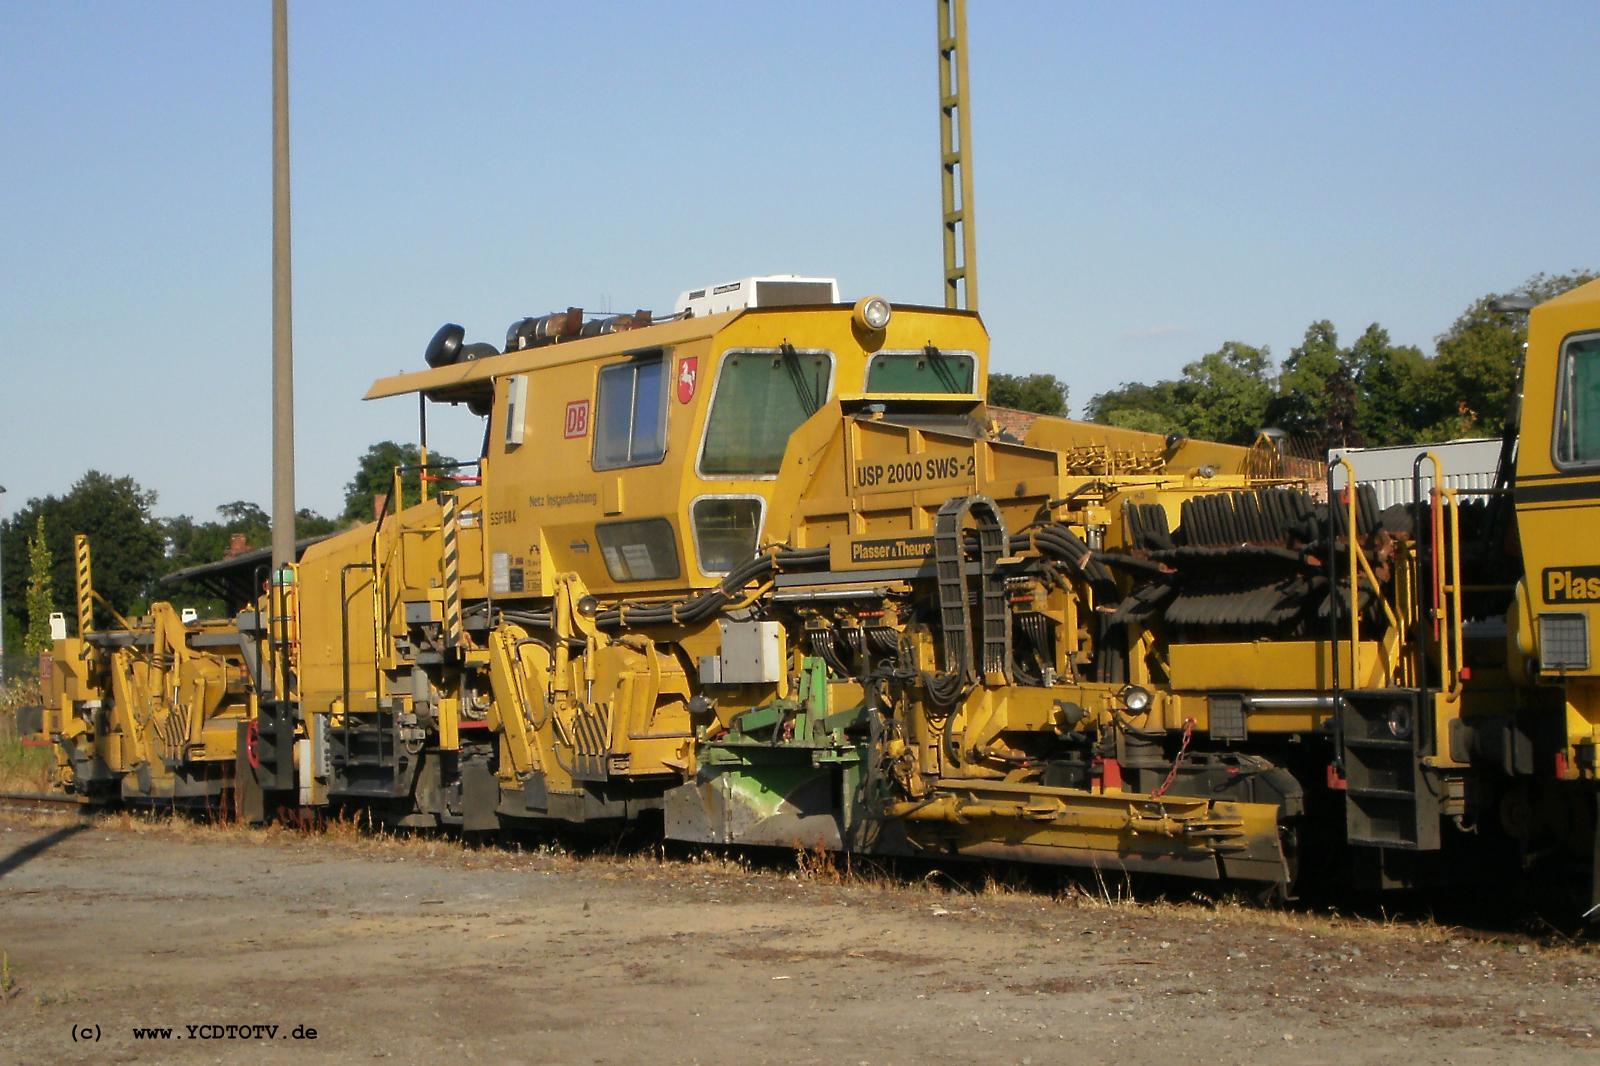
1183	749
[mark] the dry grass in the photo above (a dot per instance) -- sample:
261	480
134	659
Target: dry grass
978	893
22	768
824	867
1115	896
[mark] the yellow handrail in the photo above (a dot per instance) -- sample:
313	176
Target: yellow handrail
1435	598
1353	551
1453	612
1388	612
1359	567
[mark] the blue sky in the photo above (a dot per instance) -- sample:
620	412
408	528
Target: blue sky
1152	179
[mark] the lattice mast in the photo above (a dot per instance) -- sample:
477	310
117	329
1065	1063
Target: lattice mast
955	159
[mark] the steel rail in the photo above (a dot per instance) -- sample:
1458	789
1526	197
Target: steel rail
35	802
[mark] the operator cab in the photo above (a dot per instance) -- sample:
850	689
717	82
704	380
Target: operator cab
646	455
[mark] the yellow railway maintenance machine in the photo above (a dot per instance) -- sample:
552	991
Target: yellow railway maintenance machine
768	573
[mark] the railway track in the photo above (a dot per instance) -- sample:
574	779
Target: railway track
53	803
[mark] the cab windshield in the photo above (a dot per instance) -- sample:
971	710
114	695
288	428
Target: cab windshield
927	370
761	398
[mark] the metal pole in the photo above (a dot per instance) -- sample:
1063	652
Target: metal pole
955	159
282	338
422	445
2	608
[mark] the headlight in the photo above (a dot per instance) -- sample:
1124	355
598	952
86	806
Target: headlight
1137	698
1400	721
873	313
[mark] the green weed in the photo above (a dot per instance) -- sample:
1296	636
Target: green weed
22	768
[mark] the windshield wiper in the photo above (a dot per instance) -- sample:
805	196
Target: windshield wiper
797	376
942	369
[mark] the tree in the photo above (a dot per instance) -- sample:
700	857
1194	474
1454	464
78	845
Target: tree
1315	389
375	476
308	523
1472	378
1375	392
127	542
1134	405
41	598
1042	394
1223	396
1145	421
1474	372
1388	380
191	543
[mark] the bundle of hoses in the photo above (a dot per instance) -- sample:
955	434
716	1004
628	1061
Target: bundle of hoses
944	690
1056	541
698	608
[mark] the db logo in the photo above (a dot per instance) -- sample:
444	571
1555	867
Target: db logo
688	373
577	419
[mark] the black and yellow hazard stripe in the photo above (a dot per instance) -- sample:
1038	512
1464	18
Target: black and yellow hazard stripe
453	631
85	587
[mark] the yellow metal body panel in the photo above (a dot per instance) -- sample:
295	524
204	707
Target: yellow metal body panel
1556	505
1291	665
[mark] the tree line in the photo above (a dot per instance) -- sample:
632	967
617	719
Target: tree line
1325	394
134	548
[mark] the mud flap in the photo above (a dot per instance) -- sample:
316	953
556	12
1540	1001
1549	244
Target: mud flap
785	806
480	796
1257	854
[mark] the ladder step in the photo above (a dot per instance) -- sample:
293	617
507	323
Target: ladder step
1385	842
1396	794
1378	744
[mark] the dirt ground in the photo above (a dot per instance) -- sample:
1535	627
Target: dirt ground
420	951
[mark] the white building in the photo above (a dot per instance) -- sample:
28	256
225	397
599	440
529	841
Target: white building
1468	464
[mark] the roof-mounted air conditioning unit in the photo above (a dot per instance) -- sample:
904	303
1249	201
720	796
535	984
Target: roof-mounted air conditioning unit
774	290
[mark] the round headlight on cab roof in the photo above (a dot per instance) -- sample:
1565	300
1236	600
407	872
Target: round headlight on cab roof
872	313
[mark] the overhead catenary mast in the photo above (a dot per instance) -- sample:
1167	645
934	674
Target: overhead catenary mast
955	159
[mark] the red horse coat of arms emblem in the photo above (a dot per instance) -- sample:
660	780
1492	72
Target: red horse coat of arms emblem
688	374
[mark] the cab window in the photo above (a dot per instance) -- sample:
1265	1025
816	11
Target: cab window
927	370
761	397
631	413
645	550
727	530
1578	405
